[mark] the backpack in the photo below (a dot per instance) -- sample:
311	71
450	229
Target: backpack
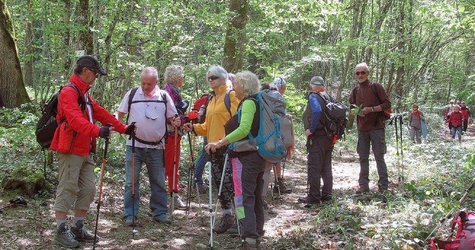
334	121
47	123
465	236
387	112
164	101
227	103
275	128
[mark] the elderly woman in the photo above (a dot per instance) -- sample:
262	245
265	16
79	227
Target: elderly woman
213	128
248	166
174	78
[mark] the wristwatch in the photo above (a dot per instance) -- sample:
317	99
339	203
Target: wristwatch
372	109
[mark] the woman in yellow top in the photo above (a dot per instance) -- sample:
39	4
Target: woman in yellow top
213	128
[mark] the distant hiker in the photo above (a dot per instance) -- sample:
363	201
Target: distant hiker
151	109
213	128
74	141
370	124
466	115
247	165
174	79
449	111
319	146
278	84
456	121
415	120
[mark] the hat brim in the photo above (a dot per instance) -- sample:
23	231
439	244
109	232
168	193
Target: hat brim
101	71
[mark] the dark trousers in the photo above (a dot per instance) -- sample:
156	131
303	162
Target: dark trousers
376	139
319	166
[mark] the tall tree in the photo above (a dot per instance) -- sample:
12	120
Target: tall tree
12	89
235	35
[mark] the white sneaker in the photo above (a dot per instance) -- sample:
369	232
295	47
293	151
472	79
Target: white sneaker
179	203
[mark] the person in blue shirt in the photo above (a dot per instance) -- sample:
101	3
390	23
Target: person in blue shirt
319	146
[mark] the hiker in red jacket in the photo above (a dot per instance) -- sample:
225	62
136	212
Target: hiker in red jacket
456	121
74	141
415	120
466	114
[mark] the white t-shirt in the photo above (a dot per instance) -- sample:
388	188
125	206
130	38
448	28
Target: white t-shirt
149	116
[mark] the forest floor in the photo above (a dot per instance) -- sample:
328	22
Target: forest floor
33	226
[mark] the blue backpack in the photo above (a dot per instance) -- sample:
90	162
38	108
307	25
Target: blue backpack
275	132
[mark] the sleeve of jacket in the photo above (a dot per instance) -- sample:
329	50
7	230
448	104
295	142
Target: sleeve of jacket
316	112
104	117
70	109
383	97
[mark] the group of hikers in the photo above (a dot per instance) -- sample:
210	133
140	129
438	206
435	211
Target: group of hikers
457	116
156	120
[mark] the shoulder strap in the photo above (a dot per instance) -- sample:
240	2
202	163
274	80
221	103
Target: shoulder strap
227	101
131	96
375	92
81	101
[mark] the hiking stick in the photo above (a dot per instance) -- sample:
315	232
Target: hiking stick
19	201
133	184
276	181
103	172
211	213
222	180
450	213
172	208
191	171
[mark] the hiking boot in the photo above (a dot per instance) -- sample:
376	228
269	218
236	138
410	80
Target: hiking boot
179	203
233	229
130	221
65	238
81	234
249	246
163	219
227	222
284	189
308	203
201	189
362	190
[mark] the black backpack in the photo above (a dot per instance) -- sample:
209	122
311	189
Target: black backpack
334	115
47	124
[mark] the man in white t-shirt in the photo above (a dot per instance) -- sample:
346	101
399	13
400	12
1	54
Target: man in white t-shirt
149	108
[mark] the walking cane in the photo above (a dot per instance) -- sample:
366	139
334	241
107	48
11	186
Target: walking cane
172	208
211	213
103	172
133	183
191	171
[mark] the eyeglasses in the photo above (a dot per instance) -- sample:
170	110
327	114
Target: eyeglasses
93	71
212	78
360	73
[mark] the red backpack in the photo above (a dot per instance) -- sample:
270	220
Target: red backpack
465	237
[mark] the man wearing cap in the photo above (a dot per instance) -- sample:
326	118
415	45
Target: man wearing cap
319	146
373	100
74	141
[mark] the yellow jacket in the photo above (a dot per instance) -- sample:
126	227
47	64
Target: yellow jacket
216	116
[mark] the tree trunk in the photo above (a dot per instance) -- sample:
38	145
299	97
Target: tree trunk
235	35
12	88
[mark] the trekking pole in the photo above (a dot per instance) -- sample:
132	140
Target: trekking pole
133	183
191	171
172	208
103	172
19	201
276	181
222	180
211	213
449	214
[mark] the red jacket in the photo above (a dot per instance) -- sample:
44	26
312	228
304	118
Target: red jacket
455	119
76	134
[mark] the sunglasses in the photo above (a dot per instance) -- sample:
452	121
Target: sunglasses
93	71
360	73
212	78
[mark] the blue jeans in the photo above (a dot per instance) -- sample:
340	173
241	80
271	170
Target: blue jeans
200	165
378	143
153	158
455	130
